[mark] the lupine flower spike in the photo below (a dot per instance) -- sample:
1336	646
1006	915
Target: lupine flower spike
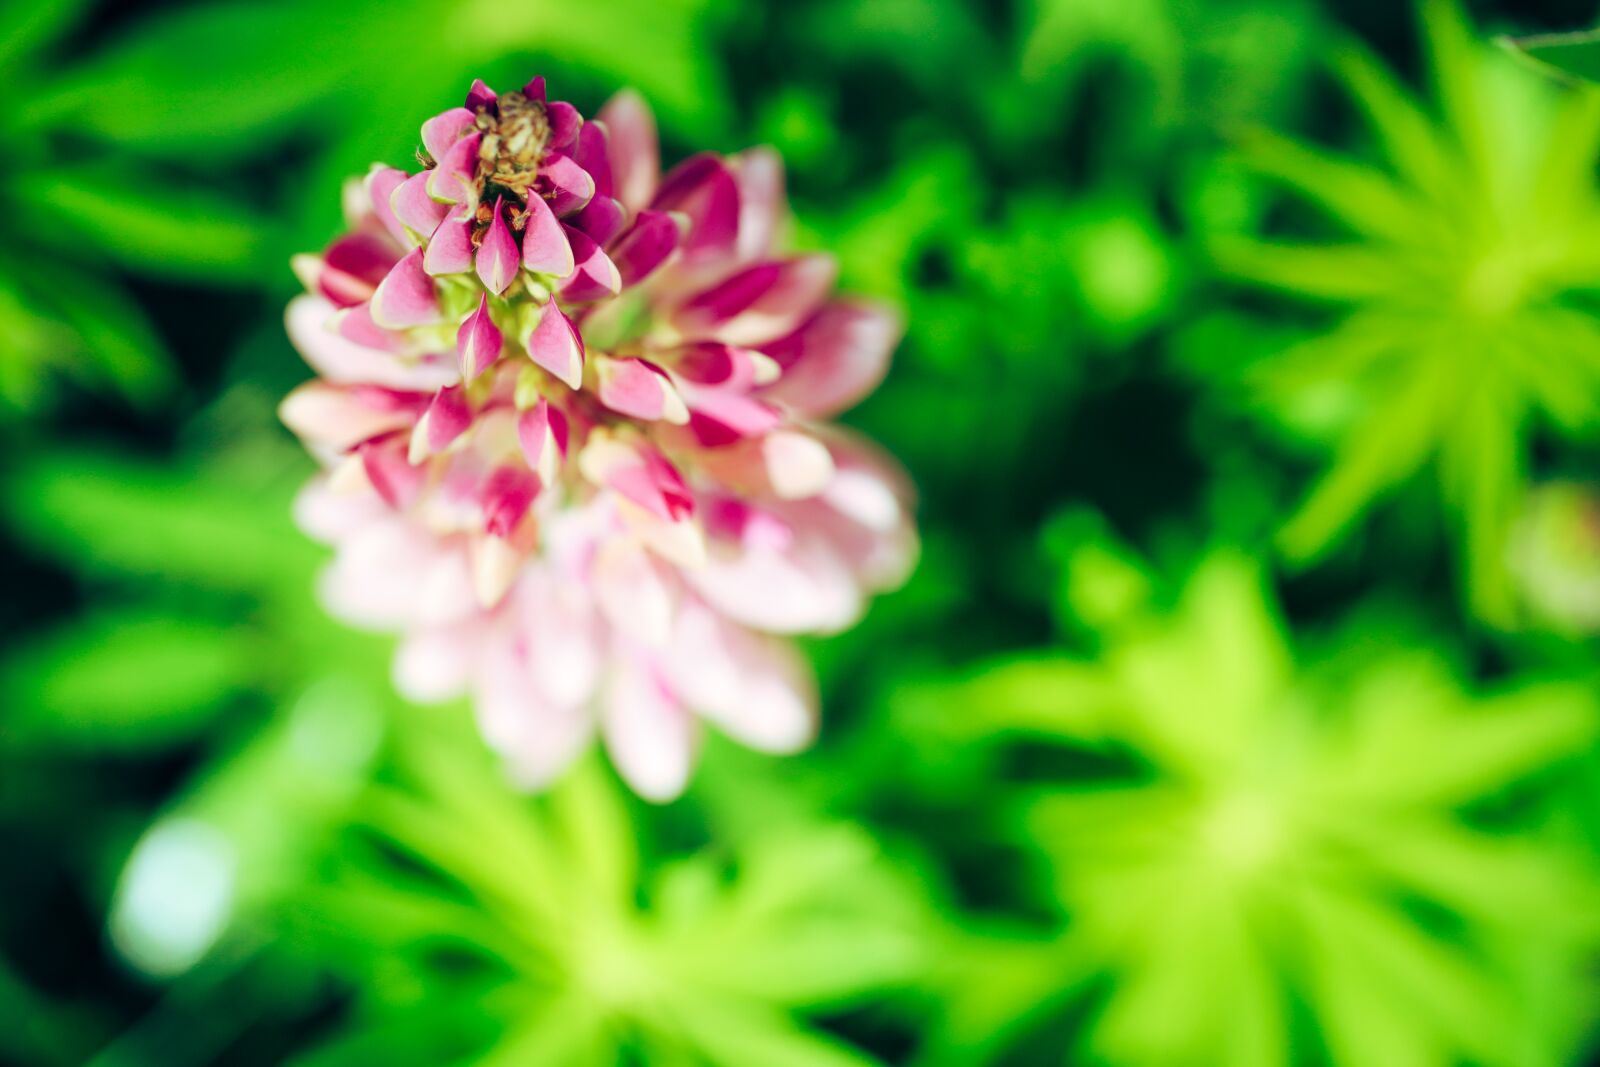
571	414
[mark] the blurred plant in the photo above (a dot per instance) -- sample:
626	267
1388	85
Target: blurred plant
1470	284
481	927
1267	860
1555	557
81	209
204	654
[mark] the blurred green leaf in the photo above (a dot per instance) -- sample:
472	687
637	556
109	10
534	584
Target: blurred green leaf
126	679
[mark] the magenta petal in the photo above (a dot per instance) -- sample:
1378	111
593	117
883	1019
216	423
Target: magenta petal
591	154
534	90
542	436
759	173
533	431
480	95
455	179
639	389
556	345
647	244
356	325
498	257
726	366
381	182
565	123
545	249
506	496
478	341
703	188
632	147
654	484
395	479
760	303
595	276
446	419
601	218
406	296
418	212
449	250
445	129
353	267
720	417
835	359
565	184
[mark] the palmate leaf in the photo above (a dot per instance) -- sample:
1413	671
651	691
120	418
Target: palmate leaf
695	961
1286	840
1464	294
1575	55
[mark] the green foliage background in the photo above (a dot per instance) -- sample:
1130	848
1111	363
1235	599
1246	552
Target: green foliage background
1243	710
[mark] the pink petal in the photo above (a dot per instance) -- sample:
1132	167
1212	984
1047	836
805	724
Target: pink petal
506	497
478	341
436	664
564	639
639	389
498	256
446	419
395	479
591	154
545	249
602	218
565	184
406	296
759	173
755	689
311	323
835	359
636	592
802	588
381	183
356	325
390	575
595	277
537	738
725	366
449	250
353	267
542	435
418	212
335	418
495	564
565	123
556	345
720	417
440	133
655	485
786	464
647	244
759	303
704	189
632	147
535	90
455	178
649	736
480	95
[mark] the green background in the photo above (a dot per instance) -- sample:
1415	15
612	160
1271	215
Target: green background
1242	710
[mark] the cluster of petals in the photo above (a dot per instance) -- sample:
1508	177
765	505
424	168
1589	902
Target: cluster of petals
570	413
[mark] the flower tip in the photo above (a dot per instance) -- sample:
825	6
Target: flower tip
478	342
499	257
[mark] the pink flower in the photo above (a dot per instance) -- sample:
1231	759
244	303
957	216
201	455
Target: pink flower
569	414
